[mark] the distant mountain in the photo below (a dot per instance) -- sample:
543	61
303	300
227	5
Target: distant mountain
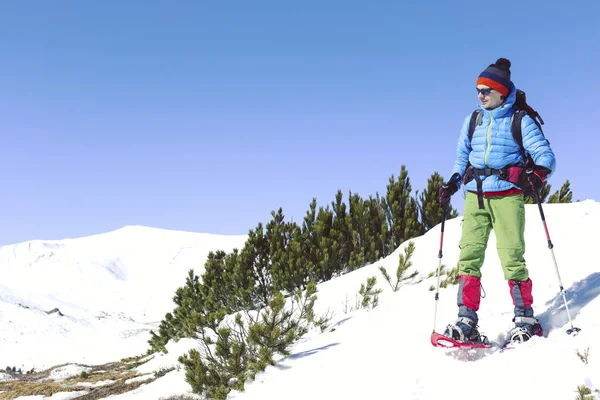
133	270
118	283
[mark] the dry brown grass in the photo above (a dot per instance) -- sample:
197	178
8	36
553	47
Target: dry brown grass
14	389
117	387
103	375
38	384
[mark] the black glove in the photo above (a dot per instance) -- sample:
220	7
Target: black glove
536	179
448	189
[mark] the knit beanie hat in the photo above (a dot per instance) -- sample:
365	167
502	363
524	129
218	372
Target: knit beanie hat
497	76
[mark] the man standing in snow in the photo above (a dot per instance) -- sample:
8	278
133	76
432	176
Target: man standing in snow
492	166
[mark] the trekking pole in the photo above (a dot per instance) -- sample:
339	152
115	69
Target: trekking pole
551	247
440	255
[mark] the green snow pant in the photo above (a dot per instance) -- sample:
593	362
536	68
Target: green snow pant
506	216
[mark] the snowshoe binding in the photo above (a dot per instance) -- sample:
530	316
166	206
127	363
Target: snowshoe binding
525	328
465	330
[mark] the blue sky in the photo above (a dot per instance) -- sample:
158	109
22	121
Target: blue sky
205	116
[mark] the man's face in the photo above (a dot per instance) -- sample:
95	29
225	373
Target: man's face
489	97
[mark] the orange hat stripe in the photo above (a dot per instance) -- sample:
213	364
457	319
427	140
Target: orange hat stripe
493	84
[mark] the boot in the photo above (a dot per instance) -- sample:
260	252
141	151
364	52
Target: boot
464	330
526	325
468	297
525	328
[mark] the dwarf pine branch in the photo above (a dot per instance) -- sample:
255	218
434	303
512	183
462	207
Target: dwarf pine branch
584	393
370	295
403	265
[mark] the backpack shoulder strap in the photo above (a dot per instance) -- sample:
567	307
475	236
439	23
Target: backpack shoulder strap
475	120
515	127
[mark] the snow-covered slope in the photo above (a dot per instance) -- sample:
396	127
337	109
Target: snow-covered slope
383	353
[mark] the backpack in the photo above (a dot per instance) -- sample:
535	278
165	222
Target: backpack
521	109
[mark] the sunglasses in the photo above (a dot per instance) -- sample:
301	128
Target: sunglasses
485	91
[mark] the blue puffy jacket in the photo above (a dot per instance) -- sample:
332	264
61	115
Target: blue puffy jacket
493	145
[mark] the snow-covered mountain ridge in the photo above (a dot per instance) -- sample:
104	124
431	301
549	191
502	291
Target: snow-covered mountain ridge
119	284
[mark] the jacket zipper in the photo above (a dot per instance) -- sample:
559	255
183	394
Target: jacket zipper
489	140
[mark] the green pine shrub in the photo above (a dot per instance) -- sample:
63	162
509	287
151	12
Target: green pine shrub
233	349
403	265
370	295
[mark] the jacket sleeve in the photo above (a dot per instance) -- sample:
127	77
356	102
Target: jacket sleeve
536	144
463	149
